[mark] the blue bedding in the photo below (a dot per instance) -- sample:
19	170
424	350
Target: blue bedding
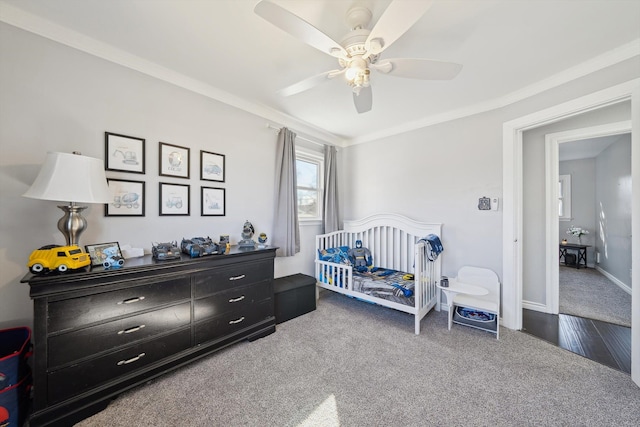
386	284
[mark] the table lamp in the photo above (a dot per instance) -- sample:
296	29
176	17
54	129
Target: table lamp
73	178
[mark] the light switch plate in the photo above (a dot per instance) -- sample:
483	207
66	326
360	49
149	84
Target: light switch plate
495	203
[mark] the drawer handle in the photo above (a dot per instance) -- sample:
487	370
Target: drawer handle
233	322
132	329
131	300
133	359
237	299
242	276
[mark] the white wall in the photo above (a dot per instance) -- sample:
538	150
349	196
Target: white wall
55	98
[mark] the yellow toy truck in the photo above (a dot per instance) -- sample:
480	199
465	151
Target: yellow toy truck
61	258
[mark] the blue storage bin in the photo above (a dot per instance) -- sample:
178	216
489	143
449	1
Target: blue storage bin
14	403
15	375
15	349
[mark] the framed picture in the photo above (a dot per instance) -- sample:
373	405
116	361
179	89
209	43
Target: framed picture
104	252
211	166
174	199
212	201
123	153
174	160
127	198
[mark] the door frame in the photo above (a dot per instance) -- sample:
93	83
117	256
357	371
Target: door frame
513	206
552	148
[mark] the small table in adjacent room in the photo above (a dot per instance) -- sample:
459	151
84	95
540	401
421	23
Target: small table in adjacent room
581	255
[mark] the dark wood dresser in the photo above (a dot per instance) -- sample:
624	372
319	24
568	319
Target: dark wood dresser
100	332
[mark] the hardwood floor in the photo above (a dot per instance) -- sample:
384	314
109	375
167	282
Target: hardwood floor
602	342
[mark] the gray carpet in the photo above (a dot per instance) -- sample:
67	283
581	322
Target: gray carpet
350	363
588	293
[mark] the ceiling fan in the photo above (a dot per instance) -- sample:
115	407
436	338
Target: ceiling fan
359	50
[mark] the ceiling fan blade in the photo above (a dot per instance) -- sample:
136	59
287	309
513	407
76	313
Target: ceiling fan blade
423	69
310	82
363	100
399	16
298	28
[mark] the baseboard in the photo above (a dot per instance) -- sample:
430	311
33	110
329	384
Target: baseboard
615	280
535	306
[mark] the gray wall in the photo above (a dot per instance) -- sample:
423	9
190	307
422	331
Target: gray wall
583	202
437	174
613	209
55	98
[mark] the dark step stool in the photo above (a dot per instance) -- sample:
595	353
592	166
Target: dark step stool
295	295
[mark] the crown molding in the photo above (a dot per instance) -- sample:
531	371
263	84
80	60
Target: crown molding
29	22
622	53
63	35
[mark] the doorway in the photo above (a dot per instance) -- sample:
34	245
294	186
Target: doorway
589	205
513	194
588	174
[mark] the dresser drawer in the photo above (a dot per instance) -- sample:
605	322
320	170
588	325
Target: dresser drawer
231	301
217	280
90	309
75	379
230	323
82	343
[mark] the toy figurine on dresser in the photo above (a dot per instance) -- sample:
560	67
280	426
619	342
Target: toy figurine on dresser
247	233
262	240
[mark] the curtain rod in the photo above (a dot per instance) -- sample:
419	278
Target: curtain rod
270	126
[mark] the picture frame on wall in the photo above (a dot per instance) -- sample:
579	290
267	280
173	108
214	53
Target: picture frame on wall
174	199
174	160
128	198
212	201
212	167
124	153
102	252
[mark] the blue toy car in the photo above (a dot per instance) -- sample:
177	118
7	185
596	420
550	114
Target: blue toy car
164	251
111	258
199	246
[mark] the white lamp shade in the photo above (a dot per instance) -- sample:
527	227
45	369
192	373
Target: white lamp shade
71	178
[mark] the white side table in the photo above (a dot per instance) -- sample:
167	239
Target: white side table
455	288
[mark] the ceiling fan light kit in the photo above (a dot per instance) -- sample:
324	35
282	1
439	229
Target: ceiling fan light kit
359	50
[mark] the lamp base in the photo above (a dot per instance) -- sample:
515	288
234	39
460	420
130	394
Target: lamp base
72	224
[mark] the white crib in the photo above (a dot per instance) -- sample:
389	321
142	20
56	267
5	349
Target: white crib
394	244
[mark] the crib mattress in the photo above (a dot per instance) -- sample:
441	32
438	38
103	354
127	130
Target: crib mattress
386	284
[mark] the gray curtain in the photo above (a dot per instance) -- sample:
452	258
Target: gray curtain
330	214
286	234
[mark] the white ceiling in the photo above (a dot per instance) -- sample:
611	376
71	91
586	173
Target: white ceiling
585	148
510	49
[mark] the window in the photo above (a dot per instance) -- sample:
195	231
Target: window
309	174
564	197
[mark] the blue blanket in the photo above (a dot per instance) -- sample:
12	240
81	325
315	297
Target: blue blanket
433	246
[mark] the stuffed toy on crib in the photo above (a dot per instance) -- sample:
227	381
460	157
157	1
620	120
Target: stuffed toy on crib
360	257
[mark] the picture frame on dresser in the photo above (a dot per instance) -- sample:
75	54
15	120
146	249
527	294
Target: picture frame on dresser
99	252
174	160
128	198
212	201
175	199
212	166
123	153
